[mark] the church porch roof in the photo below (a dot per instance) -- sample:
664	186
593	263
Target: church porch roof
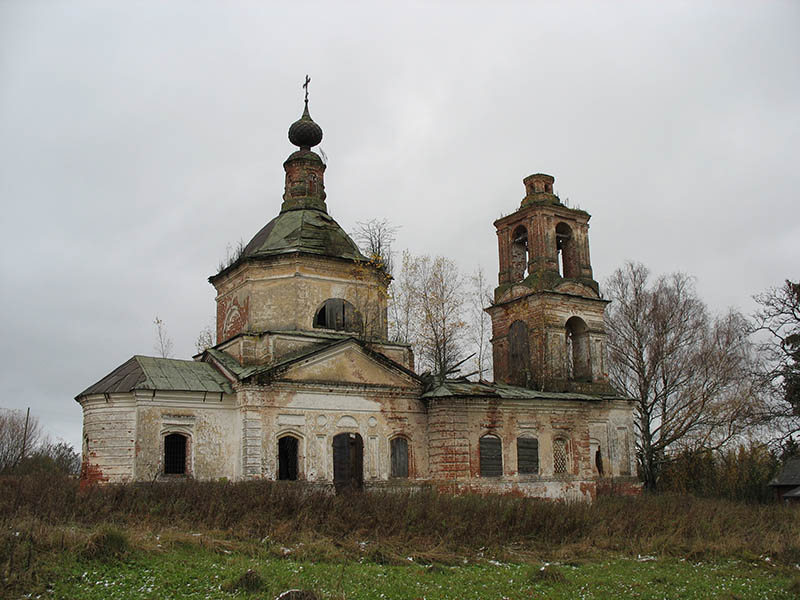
151	373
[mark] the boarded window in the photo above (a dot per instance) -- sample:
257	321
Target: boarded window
491	456
287	458
337	314
519	354
560	463
175	454
399	450
527	455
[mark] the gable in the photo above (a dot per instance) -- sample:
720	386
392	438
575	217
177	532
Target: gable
349	364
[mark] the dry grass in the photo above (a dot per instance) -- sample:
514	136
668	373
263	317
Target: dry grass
45	514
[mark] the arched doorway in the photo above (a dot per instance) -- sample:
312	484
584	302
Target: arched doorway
348	462
287	458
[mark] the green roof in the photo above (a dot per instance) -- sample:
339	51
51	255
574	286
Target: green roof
151	373
302	230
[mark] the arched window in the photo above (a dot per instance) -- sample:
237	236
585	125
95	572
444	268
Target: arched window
519	355
567	252
519	254
287	458
491	456
579	362
560	456
527	456
399	452
175	454
338	314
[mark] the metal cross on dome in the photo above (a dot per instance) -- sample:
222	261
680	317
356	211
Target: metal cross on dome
305	86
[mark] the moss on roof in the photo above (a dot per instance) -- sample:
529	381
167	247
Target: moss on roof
302	230
151	373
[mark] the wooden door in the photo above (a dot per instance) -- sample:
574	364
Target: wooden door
348	462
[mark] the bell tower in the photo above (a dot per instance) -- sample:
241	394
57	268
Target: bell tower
548	329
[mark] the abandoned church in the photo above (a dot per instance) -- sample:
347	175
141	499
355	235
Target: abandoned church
305	384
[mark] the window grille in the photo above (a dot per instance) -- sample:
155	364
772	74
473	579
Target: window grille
559	456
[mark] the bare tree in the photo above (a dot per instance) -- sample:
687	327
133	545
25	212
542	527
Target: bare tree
779	317
375	238
163	345
689	373
427	309
205	339
479	328
20	435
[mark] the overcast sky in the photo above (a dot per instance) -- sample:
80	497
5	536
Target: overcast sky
139	139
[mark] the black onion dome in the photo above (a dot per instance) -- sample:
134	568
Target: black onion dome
304	132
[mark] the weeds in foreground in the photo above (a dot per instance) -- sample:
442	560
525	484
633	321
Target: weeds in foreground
45	516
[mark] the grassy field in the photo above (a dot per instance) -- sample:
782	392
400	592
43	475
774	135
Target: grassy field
199	540
199	572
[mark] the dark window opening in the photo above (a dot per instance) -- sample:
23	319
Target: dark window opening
527	455
337	314
578	352
519	355
519	254
491	456
348	462
287	458
399	451
567	252
598	462
175	454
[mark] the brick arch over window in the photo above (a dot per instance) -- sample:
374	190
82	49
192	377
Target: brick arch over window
491	456
579	355
338	314
519	254
519	354
567	252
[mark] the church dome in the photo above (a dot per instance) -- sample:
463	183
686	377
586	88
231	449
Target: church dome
304	132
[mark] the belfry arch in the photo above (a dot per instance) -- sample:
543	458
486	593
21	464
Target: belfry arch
567	252
579	361
520	257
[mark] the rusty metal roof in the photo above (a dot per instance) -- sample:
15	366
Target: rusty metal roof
460	387
150	373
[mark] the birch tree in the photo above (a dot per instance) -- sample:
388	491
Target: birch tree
690	374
